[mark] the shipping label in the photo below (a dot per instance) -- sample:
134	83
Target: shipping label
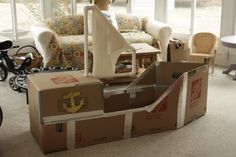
62	79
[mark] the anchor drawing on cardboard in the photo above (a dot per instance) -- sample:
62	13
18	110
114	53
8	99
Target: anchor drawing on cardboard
74	109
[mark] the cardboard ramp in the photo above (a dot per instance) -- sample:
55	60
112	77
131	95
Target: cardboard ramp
69	110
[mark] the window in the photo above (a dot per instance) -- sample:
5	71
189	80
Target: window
208	16
144	8
14	27
61	7
27	12
179	16
191	16
19	15
5	24
119	6
80	6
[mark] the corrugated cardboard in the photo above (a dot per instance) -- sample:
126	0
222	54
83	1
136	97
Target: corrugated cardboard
197	95
49	137
46	94
54	137
95	131
175	51
165	96
162	117
197	85
58	91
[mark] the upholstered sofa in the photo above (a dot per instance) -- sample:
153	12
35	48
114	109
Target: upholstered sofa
60	40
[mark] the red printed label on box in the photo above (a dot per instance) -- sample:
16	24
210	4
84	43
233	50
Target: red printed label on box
155	113
162	107
61	79
196	90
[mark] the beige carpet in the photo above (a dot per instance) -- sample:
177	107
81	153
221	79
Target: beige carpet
213	135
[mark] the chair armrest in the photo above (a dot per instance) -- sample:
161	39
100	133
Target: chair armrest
43	37
161	32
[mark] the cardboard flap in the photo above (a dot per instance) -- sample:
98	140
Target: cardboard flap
55	80
178	82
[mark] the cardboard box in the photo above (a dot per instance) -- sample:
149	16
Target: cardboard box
74	134
64	93
165	96
194	88
196	103
57	97
175	51
95	131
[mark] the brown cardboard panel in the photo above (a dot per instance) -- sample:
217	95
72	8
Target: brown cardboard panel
66	93
117	102
149	77
54	137
176	54
45	81
100	130
89	96
50	138
163	117
127	100
146	96
34	113
167	73
196	95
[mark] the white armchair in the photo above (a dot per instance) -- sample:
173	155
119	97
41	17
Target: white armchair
162	33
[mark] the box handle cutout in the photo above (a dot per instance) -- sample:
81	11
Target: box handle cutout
192	73
176	75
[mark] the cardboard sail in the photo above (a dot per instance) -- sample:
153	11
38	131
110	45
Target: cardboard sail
108	43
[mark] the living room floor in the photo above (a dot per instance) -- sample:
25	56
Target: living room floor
211	135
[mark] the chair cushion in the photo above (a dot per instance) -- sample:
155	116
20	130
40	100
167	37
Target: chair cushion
73	49
67	25
199	58
139	37
128	22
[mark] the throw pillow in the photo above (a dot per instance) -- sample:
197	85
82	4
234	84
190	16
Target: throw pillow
110	15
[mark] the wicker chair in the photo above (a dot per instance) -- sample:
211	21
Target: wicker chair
203	47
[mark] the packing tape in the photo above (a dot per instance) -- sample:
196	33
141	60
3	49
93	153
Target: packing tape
48	120
182	102
110	93
128	124
70	134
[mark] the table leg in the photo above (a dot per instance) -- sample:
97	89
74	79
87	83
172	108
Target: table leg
231	68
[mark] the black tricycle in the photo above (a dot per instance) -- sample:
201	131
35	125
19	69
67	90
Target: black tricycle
7	65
